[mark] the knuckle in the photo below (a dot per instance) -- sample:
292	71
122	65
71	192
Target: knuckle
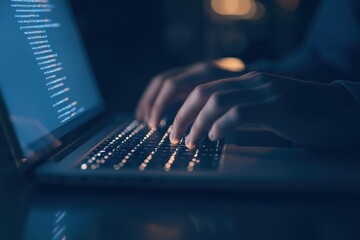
259	76
170	82
157	79
200	91
254	73
236	113
218	100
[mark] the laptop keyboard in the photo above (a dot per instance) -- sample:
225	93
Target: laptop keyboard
138	147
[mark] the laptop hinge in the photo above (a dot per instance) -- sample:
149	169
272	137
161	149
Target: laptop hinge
62	152
108	120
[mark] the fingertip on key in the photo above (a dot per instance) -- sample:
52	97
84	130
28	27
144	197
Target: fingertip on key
212	136
152	124
173	140
189	144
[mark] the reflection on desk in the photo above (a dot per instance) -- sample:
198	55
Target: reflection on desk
28	211
143	214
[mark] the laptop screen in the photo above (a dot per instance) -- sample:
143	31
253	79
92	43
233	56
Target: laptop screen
46	81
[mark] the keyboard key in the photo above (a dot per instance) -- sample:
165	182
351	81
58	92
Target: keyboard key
138	147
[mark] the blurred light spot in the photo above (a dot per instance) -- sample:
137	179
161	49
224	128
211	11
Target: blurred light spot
232	7
83	166
230	64
290	5
238	9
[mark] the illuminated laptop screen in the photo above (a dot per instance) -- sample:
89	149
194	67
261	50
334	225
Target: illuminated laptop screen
46	81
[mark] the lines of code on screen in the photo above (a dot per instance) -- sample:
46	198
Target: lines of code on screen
46	80
34	18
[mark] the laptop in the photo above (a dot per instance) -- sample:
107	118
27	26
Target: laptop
60	132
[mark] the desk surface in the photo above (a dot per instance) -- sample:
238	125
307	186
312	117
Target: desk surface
29	211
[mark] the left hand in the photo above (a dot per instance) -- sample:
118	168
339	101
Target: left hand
310	114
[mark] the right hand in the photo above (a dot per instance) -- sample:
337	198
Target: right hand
171	88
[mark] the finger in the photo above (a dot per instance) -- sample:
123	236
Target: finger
188	112
219	104
195	74
246	81
149	96
229	122
164	98
147	99
243	82
238	116
198	98
175	88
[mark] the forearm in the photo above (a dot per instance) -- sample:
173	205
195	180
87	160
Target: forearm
304	63
315	115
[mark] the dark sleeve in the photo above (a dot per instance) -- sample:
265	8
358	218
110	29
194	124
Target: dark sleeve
331	49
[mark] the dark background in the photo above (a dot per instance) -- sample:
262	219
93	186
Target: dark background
130	41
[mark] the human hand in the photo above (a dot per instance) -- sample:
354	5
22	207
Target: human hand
310	114
171	88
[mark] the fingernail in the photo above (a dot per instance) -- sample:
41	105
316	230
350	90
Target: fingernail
173	139
188	143
152	123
